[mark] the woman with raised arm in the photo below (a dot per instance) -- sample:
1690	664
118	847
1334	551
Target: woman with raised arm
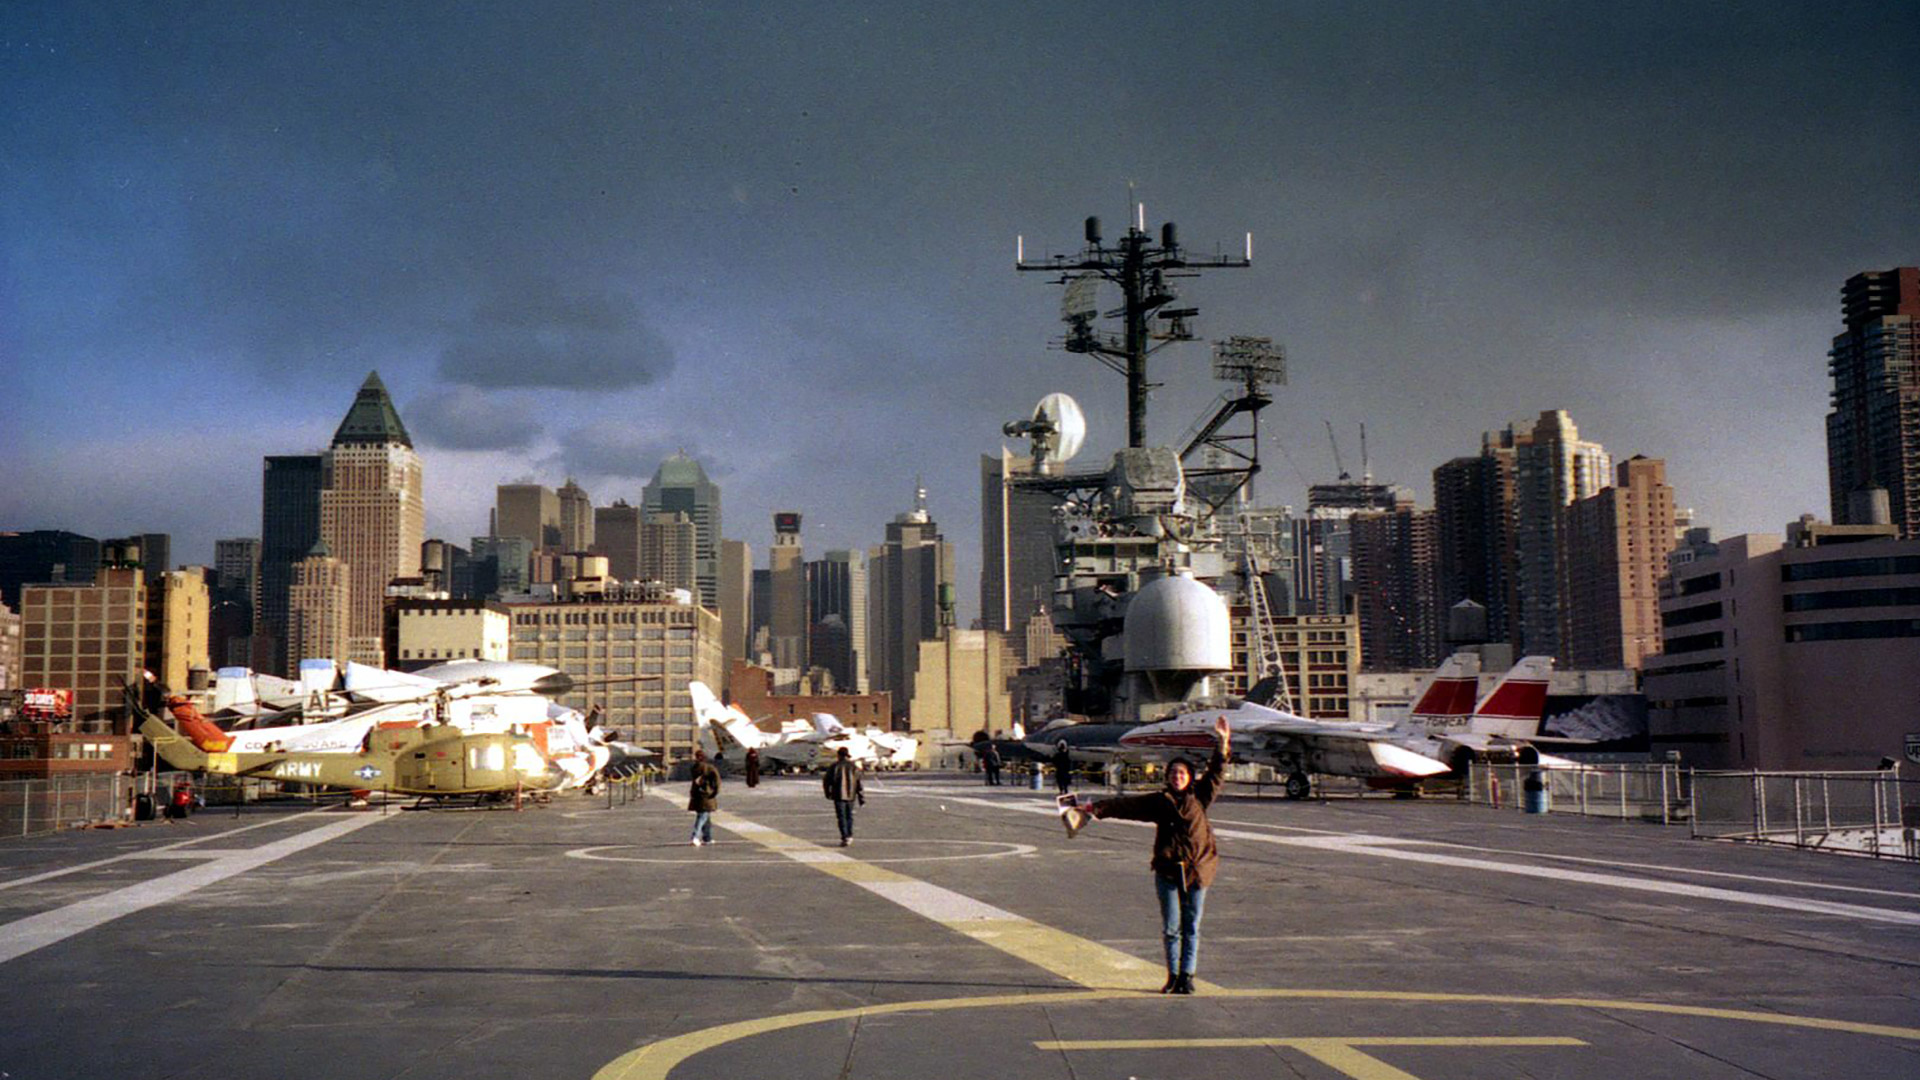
1184	856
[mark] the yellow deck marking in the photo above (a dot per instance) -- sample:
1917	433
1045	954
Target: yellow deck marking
1341	1054
1076	959
656	1061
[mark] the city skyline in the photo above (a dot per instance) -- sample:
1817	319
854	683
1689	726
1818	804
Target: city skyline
784	244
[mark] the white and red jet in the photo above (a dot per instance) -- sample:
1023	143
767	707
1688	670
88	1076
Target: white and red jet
1445	730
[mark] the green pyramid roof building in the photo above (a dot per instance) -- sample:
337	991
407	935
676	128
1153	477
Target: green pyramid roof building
373	418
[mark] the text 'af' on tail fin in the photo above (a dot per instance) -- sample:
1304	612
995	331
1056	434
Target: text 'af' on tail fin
1446	702
1513	708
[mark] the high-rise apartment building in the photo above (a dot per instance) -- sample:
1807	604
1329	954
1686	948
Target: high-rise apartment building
1396	589
680	486
289	527
372	513
1617	542
1873	432
235	595
320	608
1327	577
1017	559
736	600
837	609
667	546
905	577
178	605
528	511
1473	508
1553	467
91	639
787	620
1320	655
576	517
616	534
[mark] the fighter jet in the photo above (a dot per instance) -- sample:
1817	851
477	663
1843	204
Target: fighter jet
727	733
1445	730
892	749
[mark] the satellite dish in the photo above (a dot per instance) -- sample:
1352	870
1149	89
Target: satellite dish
1056	429
1069	424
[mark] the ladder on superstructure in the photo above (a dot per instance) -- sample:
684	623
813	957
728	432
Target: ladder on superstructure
1263	641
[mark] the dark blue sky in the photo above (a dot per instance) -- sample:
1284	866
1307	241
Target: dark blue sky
573	237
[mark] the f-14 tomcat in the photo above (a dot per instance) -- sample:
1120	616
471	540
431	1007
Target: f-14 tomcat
479	728
1444	731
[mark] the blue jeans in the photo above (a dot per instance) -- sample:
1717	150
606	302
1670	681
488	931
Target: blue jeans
1180	911
702	826
843	813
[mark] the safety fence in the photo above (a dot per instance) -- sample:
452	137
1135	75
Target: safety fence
63	802
1638	792
1862	813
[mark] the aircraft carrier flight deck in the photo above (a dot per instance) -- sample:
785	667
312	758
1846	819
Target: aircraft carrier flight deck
961	935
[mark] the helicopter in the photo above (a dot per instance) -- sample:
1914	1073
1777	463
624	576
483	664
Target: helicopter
487	733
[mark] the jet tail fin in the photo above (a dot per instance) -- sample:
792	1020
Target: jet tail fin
729	726
174	748
1446	702
1264	692
1513	708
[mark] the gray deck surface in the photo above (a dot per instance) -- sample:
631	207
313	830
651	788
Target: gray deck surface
962	935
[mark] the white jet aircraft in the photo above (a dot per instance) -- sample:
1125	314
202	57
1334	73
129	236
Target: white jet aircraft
1445	730
893	749
726	733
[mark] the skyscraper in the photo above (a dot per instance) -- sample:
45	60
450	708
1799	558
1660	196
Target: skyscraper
576	517
736	600
42	557
1616	553
680	486
1473	532
289	526
1553	466
528	511
837	590
787	620
372	514
667	545
1328	577
904	580
1017	559
1873	432
1395	589
320	608
616	534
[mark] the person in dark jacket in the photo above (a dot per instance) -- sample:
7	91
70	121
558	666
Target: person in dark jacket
1062	767
753	767
703	798
990	763
1184	856
842	783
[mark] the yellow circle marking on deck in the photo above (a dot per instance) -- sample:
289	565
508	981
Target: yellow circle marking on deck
656	1060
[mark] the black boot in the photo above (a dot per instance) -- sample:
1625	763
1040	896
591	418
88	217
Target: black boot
1183	985
1172	982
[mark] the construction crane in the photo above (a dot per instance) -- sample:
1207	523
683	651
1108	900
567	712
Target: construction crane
1337	463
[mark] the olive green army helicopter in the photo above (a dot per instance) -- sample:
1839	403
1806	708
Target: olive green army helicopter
433	759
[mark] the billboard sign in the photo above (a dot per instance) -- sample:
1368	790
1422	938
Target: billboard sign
43	704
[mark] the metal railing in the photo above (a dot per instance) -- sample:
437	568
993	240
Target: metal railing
63	802
1863	813
1659	793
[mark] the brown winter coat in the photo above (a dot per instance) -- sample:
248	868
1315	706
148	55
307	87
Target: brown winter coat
842	782
1183	848
705	792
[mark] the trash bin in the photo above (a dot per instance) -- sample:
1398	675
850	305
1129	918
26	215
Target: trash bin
1033	777
143	807
1535	799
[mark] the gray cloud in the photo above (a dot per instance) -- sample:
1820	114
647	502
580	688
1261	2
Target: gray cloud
609	450
462	418
538	335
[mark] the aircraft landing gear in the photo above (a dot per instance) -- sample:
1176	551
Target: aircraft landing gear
1297	785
